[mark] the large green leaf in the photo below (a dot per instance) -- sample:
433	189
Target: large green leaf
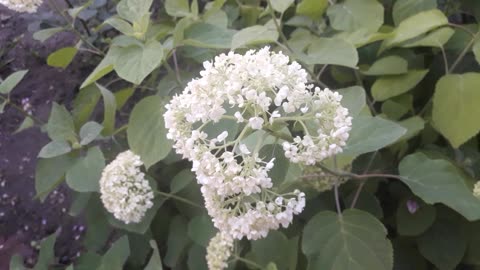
177	241
47	255
177	8
403	9
389	65
54	148
133	10
436	38
134	63
11	81
102	69
281	5
155	262
89	132
45	34
354	241
117	255
416	25
444	244
84	104
109	110
60	126
439	181
416	222
201	230
333	51
254	35
49	173
352	15
205	35
391	86
354	99
455	107
312	8
62	58
146	131
275	248
369	134
85	175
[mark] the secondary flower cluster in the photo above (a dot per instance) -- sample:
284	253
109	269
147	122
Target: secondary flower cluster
29	6
476	190
124	190
219	250
247	93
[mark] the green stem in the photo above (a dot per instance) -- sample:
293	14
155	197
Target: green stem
82	21
246	261
178	198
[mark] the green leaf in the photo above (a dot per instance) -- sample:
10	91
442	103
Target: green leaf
436	38
84	175
47	255
333	51
312	8
413	125
369	134
122	96
367	202
121	25
201	230
205	35
416	25
354	99
133	10
60	126
26	123
181	180
155	262
84	104
103	68
472	255
134	63
90	132
49	173
391	86
475	49
88	261
403	9
439	181
413	224
177	241
62	58
16	263
117	255
197	258
281	5
276	248
444	244
354	241
109	110
398	106
352	15
177	8
254	35
389	65
11	81
146	131
45	34
460	92
54	148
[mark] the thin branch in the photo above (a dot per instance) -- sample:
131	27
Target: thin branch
177	70
337	200
362	183
246	261
354	175
82	21
178	198
464	52
22	111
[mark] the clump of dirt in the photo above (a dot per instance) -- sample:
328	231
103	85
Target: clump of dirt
23	219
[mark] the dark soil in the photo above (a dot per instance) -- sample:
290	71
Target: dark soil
23	219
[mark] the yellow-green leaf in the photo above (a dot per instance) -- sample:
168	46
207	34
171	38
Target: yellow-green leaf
62	57
391	86
455	107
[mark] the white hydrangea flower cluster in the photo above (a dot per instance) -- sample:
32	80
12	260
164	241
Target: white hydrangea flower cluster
476	190
124	190
29	6
255	91
219	250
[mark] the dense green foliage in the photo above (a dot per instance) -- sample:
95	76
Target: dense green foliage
408	72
